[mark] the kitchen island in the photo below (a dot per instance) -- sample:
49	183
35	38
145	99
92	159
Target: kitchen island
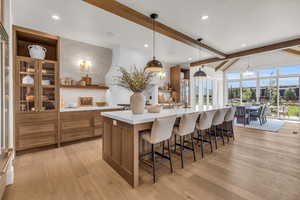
121	137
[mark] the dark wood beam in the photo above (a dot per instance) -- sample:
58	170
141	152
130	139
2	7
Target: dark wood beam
272	47
141	19
292	51
232	63
221	65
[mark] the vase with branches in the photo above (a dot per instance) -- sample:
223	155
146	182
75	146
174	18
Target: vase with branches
135	80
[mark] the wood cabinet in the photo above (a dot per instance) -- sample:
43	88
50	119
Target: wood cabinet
176	81
36	90
76	125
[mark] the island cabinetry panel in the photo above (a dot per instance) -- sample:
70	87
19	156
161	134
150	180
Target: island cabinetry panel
76	125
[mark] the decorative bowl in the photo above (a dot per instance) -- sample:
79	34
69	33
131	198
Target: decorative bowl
154	108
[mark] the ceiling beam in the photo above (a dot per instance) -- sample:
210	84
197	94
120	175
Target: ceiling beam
292	51
258	50
221	65
232	63
132	15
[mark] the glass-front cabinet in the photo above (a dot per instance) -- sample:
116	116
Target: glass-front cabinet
36	85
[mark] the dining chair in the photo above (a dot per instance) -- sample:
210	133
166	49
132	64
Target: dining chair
257	115
161	131
217	122
186	127
242	115
203	129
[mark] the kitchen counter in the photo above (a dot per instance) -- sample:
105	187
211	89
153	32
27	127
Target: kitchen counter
128	117
66	109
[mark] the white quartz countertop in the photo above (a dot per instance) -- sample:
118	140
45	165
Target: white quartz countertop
90	108
128	117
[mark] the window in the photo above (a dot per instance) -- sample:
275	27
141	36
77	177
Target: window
289	70
234	75
267	72
204	91
277	87
234	93
249	91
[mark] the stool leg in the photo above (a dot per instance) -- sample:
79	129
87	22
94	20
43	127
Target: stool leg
193	146
169	151
231	124
202	149
222	135
153	163
181	151
215	131
175	143
210	142
163	148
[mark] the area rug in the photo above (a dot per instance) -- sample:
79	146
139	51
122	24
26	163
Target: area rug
272	125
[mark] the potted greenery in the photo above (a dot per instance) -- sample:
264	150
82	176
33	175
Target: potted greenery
135	80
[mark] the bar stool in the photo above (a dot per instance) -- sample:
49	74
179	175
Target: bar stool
203	129
217	122
228	123
186	127
161	131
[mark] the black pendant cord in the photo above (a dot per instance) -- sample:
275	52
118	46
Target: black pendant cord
153	39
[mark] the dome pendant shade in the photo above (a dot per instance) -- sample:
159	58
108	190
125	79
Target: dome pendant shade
154	65
200	74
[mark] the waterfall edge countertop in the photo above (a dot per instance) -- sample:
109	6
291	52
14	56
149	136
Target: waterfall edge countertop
128	117
66	109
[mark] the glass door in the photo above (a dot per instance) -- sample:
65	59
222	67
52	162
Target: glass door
27	84
289	106
268	95
47	86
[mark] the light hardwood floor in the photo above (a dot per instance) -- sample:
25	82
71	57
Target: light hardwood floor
259	165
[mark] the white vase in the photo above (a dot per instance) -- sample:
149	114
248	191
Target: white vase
137	103
37	51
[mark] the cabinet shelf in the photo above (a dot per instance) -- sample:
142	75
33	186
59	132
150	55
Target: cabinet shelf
27	73
26	85
85	87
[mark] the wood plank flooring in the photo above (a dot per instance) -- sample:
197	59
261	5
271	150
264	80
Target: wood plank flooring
258	165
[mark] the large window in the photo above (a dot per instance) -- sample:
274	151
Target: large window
276	87
234	93
204	91
249	91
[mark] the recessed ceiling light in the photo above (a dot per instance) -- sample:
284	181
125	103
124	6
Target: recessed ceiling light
146	45
55	17
244	45
204	17
189	59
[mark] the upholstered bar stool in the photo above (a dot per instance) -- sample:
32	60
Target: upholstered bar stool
228	123
161	131
186	127
217	123
203	129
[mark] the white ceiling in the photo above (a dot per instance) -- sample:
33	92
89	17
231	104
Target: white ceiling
230	24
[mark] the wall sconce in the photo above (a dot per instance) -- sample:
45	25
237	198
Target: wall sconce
162	75
85	67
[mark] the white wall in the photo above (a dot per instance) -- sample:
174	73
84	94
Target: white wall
71	54
128	58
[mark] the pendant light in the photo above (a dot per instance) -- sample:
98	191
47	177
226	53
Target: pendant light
200	73
154	65
248	72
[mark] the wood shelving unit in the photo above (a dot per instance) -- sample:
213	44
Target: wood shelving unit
37	104
85	87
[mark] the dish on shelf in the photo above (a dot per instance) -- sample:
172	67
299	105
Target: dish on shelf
101	103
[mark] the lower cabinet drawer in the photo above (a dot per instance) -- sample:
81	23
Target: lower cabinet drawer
76	134
98	131
36	140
